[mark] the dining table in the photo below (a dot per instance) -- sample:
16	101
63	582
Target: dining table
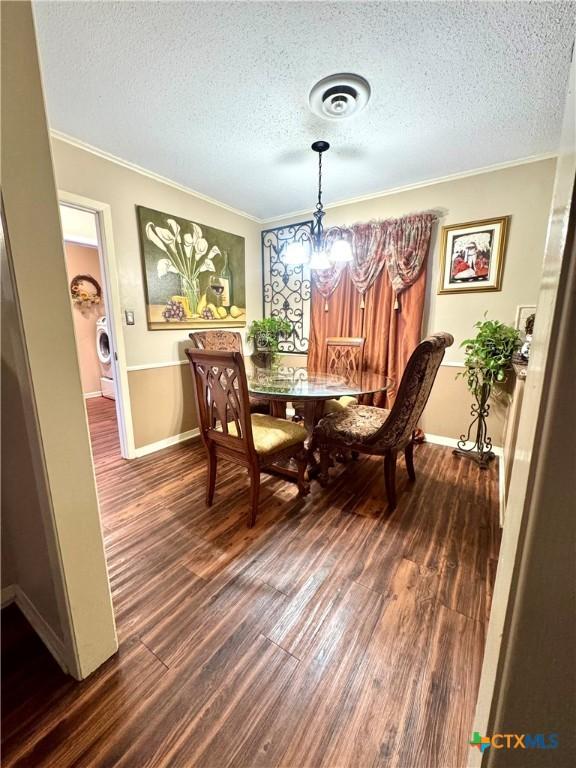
298	384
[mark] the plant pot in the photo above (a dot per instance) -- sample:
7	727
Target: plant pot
263	357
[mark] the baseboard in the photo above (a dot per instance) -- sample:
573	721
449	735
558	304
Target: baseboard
92	394
8	595
452	442
14	594
145	450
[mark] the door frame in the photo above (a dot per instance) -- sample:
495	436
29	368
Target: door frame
516	549
109	268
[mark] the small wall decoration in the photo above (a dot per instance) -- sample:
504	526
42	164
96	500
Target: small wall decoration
523	312
525	318
472	256
194	275
85	291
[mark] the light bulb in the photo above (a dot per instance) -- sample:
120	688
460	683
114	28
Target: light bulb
296	254
319	260
341	252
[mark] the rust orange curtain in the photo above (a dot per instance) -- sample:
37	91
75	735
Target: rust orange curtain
391	334
346	321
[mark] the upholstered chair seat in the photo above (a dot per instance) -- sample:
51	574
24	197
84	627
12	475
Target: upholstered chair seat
354	426
271	434
339	405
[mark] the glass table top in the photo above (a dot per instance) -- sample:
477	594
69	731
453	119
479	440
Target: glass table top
299	383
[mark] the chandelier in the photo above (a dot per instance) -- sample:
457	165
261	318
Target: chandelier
326	247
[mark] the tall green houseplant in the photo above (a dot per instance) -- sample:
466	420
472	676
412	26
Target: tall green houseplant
488	358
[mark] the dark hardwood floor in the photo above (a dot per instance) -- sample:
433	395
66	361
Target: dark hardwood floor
331	634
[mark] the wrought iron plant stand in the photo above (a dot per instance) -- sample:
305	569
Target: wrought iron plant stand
481	451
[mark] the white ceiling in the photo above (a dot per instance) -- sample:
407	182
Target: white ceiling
214	95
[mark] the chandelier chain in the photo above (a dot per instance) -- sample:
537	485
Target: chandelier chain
319	203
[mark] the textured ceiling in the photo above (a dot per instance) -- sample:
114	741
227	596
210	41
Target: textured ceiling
214	95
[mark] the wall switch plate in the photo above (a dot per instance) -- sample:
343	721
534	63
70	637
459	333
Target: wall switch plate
129	314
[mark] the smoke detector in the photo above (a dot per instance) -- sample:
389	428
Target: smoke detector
339	96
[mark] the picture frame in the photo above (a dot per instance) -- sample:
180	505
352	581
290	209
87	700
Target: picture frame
472	255
194	274
523	312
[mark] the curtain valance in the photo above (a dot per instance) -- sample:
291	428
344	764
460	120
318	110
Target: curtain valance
400	245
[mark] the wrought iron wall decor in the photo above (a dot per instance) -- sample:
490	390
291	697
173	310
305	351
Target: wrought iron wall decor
287	286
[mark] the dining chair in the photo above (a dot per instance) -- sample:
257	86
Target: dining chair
343	356
376	431
227	341
228	429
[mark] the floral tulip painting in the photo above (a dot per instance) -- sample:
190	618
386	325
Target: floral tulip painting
194	273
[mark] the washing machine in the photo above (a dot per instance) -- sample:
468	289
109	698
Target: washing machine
105	357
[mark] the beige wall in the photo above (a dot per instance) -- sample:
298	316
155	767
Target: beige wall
523	192
76	552
164	401
85	260
447	413
26	539
91	176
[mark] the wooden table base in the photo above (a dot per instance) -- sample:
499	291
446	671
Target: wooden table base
313	411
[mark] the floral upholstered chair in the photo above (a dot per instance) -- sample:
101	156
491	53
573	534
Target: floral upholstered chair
227	341
379	432
231	432
344	356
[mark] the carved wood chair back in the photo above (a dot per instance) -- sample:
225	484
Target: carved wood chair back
227	341
344	355
221	394
217	340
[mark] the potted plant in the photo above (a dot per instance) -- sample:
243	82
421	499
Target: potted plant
488	358
265	336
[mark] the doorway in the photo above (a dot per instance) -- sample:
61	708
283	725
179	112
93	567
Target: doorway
86	230
89	302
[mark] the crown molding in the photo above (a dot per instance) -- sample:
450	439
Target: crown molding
294	214
418	185
150	174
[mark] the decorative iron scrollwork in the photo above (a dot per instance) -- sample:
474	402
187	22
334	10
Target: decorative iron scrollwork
481	450
287	286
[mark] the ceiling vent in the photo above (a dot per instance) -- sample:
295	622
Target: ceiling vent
339	96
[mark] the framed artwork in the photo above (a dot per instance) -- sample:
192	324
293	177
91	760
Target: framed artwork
472	256
194	275
523	312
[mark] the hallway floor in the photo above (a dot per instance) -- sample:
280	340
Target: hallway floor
332	634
